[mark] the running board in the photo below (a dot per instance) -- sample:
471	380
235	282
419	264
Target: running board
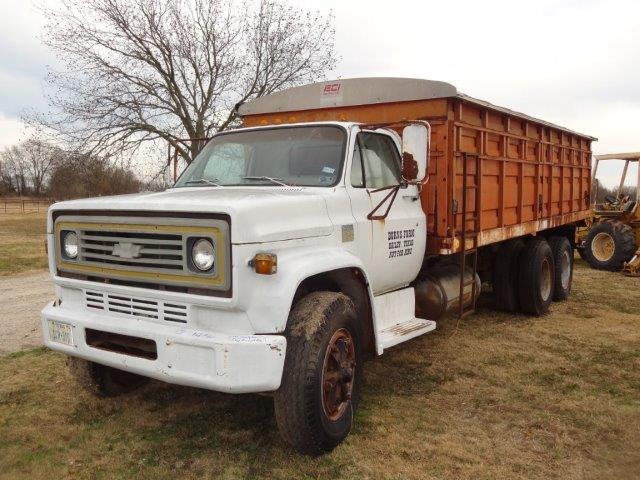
401	332
396	321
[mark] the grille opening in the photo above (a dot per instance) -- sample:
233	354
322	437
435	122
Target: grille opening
136	307
125	344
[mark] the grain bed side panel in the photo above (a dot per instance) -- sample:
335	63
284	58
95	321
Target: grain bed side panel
531	176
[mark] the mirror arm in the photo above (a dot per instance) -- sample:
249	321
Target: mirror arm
393	193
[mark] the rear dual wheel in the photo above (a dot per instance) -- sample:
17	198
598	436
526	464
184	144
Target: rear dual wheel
536	280
530	274
563	261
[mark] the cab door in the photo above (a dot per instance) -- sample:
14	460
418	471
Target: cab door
396	230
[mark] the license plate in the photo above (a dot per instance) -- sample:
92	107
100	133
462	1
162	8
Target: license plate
60	333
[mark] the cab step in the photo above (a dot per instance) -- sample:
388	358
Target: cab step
401	332
396	322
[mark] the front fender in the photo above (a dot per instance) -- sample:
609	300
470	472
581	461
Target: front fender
270	297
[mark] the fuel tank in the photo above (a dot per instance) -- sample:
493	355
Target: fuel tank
438	292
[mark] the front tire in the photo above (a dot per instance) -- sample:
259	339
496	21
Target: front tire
102	381
316	402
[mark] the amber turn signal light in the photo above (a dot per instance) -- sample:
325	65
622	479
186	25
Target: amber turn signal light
264	263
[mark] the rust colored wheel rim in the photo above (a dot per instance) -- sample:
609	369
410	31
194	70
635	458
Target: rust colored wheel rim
338	374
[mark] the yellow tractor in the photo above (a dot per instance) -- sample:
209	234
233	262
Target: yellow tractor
611	240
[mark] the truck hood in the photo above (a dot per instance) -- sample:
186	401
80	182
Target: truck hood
257	214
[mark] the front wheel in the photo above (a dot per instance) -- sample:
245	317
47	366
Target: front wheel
316	402
102	381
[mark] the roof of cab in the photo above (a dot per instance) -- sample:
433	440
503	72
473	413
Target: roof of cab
368	91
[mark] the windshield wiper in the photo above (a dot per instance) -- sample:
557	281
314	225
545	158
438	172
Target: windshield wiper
204	180
277	181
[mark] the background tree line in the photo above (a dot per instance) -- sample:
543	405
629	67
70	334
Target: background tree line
38	168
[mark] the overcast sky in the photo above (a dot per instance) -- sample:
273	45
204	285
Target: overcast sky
573	62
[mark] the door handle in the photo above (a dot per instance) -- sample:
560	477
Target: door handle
413	198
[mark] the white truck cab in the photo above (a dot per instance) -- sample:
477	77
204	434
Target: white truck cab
282	256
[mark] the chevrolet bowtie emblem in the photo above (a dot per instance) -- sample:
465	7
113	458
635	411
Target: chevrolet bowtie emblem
126	250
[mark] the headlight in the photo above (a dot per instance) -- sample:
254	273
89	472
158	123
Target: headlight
70	244
202	254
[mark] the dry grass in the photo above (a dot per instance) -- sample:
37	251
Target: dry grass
22	238
504	397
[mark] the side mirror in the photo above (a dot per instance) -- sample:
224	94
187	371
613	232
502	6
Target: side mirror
415	151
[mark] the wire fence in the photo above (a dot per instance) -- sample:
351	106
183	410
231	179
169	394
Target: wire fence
24	205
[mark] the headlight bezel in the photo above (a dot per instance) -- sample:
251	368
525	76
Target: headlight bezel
191	263
64	234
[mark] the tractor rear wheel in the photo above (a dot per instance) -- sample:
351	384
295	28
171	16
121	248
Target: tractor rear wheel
609	244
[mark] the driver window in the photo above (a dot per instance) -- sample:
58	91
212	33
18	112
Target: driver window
227	162
381	160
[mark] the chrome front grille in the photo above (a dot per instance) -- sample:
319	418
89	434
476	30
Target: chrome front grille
144	250
156	251
136	306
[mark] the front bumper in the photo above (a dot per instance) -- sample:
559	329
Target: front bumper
185	356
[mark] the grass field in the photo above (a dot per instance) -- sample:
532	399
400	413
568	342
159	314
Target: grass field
22	239
499	397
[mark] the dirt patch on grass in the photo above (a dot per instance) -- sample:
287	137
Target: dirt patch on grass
22	297
22	238
502	396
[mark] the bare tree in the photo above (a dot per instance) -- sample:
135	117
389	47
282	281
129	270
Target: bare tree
26	166
39	157
14	169
141	70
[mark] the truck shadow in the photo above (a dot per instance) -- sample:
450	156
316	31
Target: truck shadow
175	424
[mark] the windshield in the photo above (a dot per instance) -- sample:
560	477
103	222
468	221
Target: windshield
305	156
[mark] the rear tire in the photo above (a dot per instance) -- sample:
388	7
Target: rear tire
316	402
609	244
563	262
505	275
536	277
102	381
